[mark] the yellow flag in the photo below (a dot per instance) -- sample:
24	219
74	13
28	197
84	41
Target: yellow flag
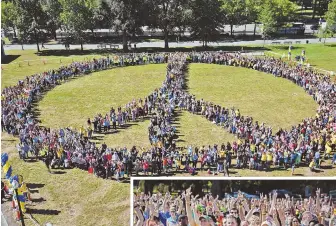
6	167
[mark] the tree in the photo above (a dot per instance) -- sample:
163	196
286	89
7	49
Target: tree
31	20
330	17
126	16
253	9
53	9
9	15
207	19
267	18
284	11
235	12
105	13
167	15
77	17
324	33
320	7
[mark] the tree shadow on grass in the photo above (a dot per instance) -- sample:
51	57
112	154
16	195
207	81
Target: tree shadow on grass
9	58
65	53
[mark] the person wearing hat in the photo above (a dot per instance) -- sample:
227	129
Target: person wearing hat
173	219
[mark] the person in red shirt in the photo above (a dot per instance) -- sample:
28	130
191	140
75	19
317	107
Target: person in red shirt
145	166
165	164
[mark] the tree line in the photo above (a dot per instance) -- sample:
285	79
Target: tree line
39	19
218	187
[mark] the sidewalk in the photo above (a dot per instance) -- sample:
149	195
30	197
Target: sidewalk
171	44
7	215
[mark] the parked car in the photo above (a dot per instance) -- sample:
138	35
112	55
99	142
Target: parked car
296	28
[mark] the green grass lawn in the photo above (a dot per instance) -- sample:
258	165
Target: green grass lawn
198	131
275	101
319	55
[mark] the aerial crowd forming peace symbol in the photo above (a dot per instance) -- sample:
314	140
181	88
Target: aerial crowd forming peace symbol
69	145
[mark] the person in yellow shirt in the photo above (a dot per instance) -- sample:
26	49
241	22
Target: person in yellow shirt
252	147
328	149
237	113
239	142
222	154
81	131
60	152
312	165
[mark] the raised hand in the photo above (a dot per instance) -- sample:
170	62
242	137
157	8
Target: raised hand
318	192
275	195
188	192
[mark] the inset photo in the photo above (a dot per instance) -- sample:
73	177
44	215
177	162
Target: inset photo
234	202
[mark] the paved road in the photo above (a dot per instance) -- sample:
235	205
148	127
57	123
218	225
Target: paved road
171	44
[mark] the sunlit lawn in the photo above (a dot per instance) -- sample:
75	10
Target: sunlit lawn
275	101
318	55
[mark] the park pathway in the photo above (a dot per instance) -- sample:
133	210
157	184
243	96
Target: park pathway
171	44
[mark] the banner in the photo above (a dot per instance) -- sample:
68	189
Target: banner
6	167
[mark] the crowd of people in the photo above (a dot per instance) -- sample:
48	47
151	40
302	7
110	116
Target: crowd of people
257	147
186	209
